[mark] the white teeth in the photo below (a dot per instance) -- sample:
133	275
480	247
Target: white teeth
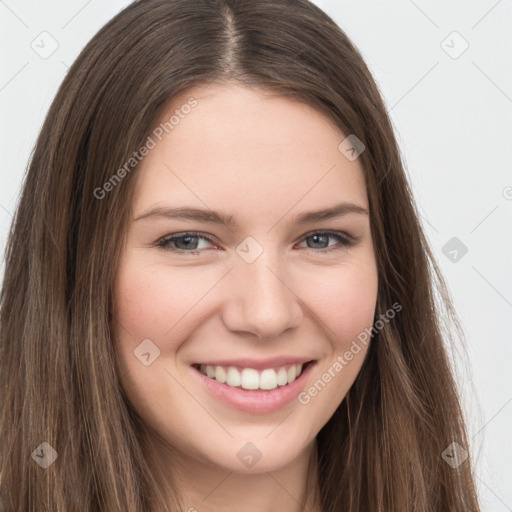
233	378
250	378
220	374
282	376
268	379
292	373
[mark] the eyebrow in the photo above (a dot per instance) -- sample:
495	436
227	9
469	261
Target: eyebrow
214	217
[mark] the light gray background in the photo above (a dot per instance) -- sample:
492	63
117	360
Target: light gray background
452	115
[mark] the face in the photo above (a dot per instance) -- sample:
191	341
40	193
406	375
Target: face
235	337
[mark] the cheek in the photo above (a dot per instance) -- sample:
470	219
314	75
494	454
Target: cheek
144	309
345	307
151	303
343	301
355	310
156	303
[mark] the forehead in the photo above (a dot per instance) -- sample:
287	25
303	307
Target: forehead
250	147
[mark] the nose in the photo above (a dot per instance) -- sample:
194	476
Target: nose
262	301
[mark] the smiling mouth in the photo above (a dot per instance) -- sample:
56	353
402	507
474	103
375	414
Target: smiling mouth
251	379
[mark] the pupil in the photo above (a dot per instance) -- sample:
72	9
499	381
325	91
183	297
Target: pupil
316	237
186	240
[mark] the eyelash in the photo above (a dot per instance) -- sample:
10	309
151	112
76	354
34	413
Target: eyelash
345	240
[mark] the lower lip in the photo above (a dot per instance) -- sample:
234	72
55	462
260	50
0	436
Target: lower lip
255	401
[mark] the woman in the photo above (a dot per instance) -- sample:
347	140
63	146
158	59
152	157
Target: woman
257	371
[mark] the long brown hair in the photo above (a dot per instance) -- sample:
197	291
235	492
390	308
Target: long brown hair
59	383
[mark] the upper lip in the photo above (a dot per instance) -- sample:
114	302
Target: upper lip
257	364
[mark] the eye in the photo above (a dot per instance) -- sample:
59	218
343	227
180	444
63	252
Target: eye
188	243
185	240
322	237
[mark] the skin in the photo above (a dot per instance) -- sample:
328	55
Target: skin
264	159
